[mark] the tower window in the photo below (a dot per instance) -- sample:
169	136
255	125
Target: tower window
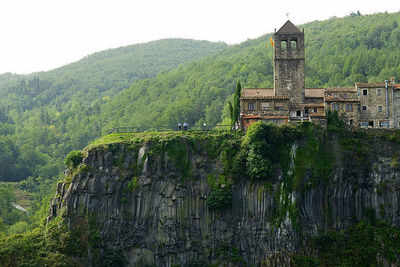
379	108
364	108
365	91
293	44
283	45
378	92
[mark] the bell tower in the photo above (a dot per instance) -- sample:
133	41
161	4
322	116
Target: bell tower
289	63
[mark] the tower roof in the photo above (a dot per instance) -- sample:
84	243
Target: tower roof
288	27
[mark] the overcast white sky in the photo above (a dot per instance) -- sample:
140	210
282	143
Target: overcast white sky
44	34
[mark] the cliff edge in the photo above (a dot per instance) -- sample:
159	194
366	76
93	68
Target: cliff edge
277	196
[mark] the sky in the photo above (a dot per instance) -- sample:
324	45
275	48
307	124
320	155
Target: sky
41	35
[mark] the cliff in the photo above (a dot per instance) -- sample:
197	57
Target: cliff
277	196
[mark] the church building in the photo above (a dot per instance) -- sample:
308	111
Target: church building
369	105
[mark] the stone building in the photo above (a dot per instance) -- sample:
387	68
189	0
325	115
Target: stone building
365	105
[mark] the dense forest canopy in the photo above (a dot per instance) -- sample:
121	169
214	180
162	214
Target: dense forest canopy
45	115
39	113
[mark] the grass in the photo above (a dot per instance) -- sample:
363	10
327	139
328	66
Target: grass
153	136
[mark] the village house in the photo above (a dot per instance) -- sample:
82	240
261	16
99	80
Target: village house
368	105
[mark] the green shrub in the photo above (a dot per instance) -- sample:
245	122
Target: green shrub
73	159
133	184
220	196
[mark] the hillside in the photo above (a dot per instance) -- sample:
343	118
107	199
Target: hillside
105	72
31	106
339	52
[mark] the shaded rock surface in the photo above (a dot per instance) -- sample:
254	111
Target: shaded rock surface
151	205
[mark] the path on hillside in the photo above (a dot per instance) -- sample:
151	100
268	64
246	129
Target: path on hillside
18	207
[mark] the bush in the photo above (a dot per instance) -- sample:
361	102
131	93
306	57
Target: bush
73	159
220	196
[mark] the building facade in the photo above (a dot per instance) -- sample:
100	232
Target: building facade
369	105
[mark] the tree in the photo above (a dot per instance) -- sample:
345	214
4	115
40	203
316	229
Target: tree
234	106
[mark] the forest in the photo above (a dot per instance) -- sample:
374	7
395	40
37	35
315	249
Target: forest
44	116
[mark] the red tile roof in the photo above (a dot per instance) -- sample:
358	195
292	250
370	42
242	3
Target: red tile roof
370	85
342	89
257	92
314	92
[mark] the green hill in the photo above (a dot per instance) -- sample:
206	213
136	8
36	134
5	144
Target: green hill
339	52
32	105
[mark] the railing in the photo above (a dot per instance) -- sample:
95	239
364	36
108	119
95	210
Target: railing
303	118
131	129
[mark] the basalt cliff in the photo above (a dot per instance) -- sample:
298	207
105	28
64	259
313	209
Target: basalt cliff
276	196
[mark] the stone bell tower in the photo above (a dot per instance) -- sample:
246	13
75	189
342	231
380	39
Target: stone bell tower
289	62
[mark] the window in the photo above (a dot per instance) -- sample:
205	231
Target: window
363	124
280	106
251	106
378	92
315	110
379	108
351	122
371	123
298	113
364	108
265	105
293	44
365	91
283	45
306	111
335	106
384	124
349	108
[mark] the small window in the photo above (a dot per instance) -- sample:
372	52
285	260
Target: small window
384	124
265	105
315	110
371	123
251	106
283	45
365	91
335	106
378	92
349	108
298	113
379	108
364	108
364	124
351	122
293	44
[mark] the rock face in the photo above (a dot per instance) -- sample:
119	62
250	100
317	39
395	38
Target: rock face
150	202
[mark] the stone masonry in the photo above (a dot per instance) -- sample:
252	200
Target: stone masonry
367	105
